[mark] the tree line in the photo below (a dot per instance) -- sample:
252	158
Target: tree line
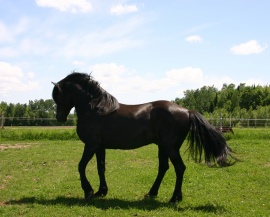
238	102
35	113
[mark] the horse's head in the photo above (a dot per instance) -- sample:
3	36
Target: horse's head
63	101
86	93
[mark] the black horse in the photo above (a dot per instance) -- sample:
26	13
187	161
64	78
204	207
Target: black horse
104	123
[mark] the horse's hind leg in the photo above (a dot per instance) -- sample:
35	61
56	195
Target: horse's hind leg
180	168
163	167
103	189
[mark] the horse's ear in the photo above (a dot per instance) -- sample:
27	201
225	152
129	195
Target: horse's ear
57	85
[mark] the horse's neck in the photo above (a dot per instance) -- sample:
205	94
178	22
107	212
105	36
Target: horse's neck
100	102
81	102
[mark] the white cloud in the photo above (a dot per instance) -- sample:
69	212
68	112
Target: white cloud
109	40
109	74
185	75
123	9
250	47
78	62
129	87
121	80
73	6
93	46
9	32
48	37
77	44
8	52
31	75
194	39
109	69
4	33
33	46
11	36
13	79
26	46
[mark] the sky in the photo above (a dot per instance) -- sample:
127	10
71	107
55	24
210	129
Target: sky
138	50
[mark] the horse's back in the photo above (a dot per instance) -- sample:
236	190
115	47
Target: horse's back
155	109
172	111
133	126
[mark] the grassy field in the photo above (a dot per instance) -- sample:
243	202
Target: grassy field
39	178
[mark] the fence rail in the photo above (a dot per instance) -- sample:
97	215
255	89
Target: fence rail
239	122
218	122
26	121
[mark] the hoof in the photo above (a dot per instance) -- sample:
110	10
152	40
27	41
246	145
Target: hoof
150	196
89	196
101	192
176	199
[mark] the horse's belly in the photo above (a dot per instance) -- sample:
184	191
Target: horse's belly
128	141
125	146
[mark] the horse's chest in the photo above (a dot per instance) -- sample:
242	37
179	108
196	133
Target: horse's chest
89	133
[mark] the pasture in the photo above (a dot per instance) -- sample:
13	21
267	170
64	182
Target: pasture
39	177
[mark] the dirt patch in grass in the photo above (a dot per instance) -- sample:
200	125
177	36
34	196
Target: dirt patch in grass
3	203
4	182
267	165
15	146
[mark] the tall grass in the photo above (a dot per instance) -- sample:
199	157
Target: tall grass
38	133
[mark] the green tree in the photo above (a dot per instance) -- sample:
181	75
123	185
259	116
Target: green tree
202	100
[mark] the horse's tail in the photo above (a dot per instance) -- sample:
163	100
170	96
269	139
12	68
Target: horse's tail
205	138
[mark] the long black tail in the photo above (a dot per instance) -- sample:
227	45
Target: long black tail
205	138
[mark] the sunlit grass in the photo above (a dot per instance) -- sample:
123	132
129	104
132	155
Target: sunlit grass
40	178
38	133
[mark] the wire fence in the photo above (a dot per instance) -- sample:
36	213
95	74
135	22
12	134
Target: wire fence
26	121
217	122
239	122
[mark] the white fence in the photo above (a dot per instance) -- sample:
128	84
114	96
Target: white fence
239	122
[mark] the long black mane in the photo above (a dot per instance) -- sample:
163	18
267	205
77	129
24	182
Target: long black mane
99	99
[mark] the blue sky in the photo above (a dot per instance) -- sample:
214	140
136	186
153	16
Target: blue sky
138	50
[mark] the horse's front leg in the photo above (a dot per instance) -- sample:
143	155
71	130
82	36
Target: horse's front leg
86	186
103	189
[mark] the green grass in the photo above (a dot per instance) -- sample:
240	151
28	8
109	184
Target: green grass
38	133
39	178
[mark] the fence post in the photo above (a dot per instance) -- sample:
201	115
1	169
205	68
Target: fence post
240	120
255	122
220	121
2	120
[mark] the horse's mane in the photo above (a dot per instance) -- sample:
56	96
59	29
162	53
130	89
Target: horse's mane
100	100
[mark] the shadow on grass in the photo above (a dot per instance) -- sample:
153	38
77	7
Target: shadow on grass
111	203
